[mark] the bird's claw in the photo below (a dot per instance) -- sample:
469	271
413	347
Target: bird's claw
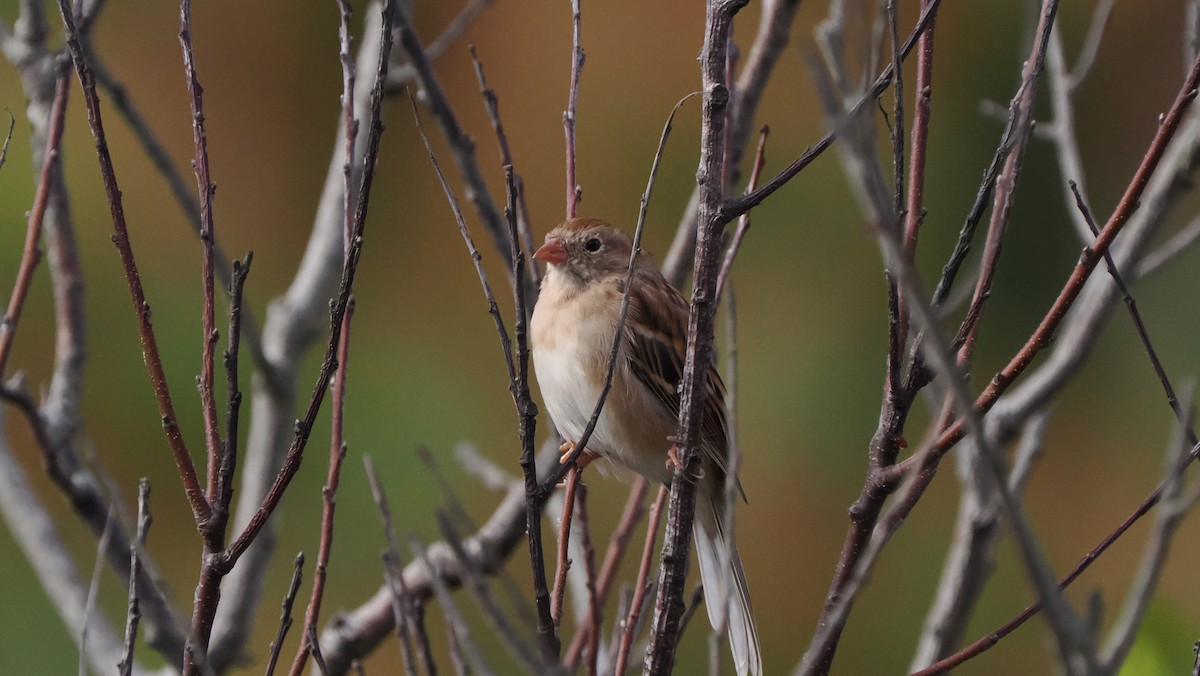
586	458
674	463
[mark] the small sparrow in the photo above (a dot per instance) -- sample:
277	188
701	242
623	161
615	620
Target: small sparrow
572	336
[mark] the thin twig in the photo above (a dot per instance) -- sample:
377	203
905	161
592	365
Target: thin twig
735	244
589	562
618	544
492	105
738	206
205	189
461	144
457	624
201	510
563	562
285	615
296	451
31	253
1138	324
93	589
574	192
394	574
134	613
641	586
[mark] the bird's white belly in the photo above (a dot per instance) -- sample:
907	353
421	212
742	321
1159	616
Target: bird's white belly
570	393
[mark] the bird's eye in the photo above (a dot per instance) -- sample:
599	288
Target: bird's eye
592	245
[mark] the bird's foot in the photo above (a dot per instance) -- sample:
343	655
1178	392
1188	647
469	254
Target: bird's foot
674	463
586	458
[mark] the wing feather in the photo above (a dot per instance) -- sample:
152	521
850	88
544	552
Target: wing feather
656	350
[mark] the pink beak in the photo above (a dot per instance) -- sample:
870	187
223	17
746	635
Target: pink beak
551	252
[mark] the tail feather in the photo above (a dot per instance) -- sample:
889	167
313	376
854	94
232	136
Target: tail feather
721	566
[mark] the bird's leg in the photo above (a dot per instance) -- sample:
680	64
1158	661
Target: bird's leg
584	459
674	463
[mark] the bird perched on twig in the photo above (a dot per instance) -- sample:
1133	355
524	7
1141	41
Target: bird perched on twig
572	332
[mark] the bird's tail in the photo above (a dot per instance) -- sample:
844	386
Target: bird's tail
726	596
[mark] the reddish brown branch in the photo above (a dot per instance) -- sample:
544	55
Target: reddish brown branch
337	444
589	562
1088	260
642	586
618	544
983	644
133	614
31	254
574	192
158	380
295	452
205	189
563	561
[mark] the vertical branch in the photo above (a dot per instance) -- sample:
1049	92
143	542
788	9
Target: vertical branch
337	443
526	429
339	308
205	188
642	584
574	192
617	545
31	253
408	625
295	320
563	561
134	613
710	178
285	614
589	562
919	142
492	105
201	510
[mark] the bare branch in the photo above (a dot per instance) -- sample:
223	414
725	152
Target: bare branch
205	188
134	613
710	218
774	32
31	253
294	321
285	615
187	471
574	192
641	587
459	633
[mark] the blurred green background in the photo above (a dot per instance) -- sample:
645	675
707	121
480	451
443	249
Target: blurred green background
425	368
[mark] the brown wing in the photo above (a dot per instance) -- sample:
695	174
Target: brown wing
656	354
